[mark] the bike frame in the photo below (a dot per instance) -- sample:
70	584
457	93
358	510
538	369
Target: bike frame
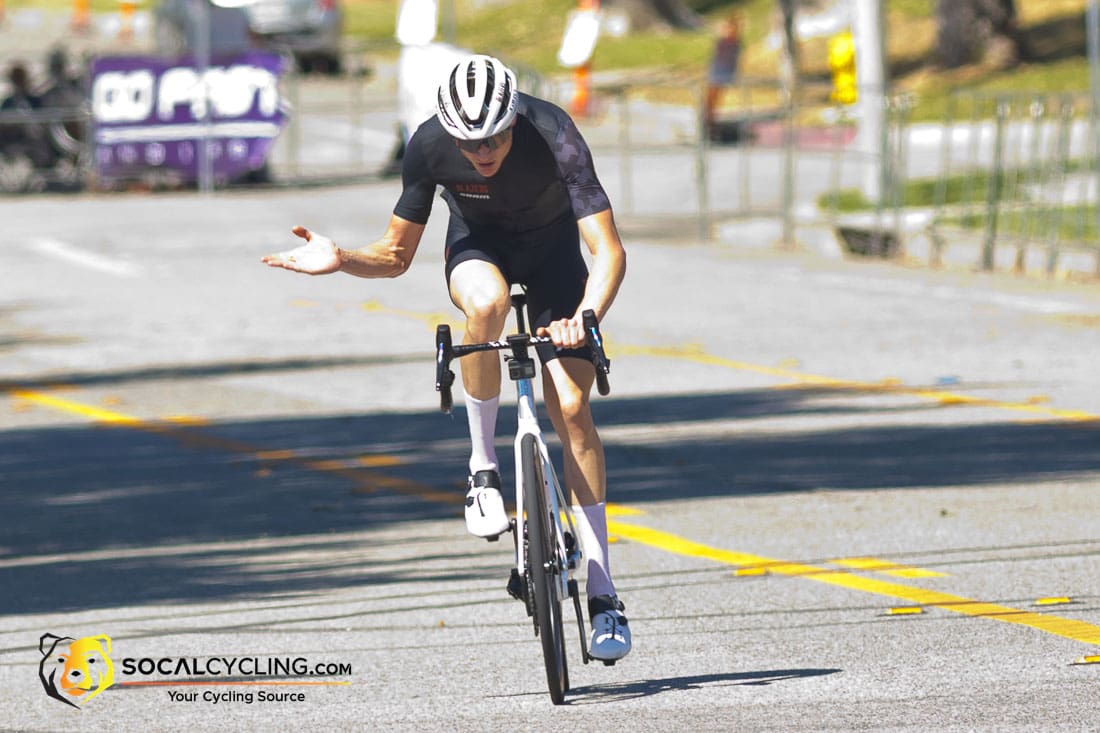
568	560
564	555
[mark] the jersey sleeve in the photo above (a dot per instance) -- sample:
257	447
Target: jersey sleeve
578	171
417	184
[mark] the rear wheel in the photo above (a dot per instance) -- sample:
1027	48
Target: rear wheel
544	571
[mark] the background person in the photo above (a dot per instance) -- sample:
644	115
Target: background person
722	71
521	189
22	136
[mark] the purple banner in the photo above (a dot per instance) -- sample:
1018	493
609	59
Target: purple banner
151	115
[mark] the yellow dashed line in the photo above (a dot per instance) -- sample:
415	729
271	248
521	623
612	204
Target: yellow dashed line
76	408
744	562
885	567
1067	628
379	461
697	355
431	319
750	571
356	471
619	510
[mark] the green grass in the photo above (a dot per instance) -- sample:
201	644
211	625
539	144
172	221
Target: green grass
953	190
530	33
972	188
965	198
933	102
1062	224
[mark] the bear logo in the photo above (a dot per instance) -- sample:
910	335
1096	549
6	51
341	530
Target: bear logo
75	670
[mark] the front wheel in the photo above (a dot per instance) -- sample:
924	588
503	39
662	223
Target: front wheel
544	570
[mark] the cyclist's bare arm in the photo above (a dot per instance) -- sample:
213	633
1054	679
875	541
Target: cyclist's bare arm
608	268
608	262
390	256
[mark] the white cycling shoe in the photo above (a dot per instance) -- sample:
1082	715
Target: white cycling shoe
485	515
610	632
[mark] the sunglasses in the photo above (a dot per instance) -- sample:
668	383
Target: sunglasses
494	142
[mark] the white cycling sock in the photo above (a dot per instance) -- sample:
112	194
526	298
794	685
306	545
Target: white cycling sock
591	523
482	415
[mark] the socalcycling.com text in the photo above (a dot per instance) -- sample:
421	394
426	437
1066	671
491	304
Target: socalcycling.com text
230	666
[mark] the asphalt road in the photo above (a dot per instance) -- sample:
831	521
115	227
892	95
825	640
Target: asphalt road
848	495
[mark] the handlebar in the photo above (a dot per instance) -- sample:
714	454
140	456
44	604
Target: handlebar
446	351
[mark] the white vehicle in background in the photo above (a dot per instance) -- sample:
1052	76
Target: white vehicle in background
309	30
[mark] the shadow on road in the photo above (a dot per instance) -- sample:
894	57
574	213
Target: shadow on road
95	516
645	688
198	371
846	458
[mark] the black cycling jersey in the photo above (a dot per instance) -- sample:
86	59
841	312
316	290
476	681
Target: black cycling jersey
547	175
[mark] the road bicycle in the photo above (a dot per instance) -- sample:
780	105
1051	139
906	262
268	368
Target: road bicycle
547	551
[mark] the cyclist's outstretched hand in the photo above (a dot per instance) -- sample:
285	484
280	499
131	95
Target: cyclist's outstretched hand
318	256
567	333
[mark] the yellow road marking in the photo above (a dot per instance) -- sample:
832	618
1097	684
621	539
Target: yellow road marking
1064	627
75	408
186	420
431	319
751	571
905	611
697	355
886	567
356	471
1068	628
1060	601
380	461
620	510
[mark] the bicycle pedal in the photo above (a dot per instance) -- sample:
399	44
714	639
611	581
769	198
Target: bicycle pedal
516	587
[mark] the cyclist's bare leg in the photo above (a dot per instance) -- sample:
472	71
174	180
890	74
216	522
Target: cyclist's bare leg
567	384
478	289
482	294
566	393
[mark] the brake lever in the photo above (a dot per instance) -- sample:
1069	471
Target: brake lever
599	356
444	377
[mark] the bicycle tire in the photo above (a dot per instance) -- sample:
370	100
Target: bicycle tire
544	581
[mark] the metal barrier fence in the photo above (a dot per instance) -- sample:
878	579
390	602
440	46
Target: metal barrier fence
1009	181
1023	168
1013	176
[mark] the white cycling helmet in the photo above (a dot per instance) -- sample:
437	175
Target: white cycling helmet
478	98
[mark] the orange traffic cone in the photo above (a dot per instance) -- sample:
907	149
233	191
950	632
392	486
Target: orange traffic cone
582	90
126	10
81	16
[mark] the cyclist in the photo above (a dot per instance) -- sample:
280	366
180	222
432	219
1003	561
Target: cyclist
521	189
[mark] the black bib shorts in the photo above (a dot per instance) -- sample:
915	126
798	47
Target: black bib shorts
547	263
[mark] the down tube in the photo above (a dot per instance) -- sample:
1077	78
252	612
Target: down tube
528	423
